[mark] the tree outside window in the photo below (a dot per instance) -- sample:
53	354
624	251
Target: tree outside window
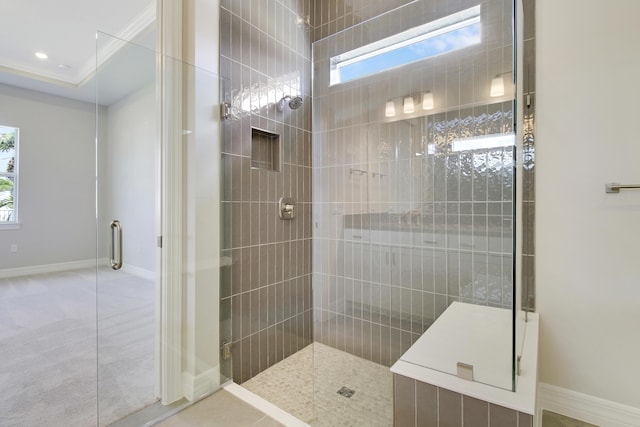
8	174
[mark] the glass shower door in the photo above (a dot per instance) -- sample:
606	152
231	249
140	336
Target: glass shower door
127	143
416	266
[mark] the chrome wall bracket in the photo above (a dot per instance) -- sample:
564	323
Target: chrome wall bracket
225	110
226	350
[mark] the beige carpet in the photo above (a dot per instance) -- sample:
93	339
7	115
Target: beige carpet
49	367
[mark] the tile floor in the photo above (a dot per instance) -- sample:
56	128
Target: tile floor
222	409
290	385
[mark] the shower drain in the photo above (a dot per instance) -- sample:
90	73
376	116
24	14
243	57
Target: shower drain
346	392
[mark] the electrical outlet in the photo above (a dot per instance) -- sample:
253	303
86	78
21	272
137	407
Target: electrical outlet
14	248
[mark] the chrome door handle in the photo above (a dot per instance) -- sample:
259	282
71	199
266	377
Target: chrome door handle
116	234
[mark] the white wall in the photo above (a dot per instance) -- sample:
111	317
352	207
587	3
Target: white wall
588	242
128	176
56	179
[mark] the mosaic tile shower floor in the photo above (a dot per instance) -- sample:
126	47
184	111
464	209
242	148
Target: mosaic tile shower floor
290	385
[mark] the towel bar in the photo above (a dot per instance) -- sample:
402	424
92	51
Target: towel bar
614	187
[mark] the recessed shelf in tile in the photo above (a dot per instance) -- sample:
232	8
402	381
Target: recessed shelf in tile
265	150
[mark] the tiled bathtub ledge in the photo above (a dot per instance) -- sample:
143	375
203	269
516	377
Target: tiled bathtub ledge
440	348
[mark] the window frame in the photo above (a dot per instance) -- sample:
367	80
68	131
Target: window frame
421	33
14	223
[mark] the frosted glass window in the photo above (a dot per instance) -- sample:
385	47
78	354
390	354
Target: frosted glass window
457	31
484	142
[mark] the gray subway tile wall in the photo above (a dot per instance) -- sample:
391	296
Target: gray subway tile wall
425	405
332	16
474	412
449	408
390	250
266	55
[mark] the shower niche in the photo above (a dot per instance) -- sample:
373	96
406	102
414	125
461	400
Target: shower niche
265	150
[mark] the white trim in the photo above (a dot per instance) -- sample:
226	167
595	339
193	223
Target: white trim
200	198
261	404
169	88
86	71
47	268
130	269
35	75
137	26
202	385
159	188
585	407
10	226
140	272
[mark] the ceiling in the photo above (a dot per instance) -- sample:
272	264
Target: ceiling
66	31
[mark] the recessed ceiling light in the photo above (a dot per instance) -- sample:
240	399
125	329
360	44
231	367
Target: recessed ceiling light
41	55
64	66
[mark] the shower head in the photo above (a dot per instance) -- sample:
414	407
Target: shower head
294	103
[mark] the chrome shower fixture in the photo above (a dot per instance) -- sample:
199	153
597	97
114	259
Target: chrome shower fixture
294	103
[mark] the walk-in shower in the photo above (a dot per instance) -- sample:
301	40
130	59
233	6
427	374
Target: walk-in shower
405	170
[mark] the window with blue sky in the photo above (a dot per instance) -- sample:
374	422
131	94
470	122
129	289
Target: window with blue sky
447	34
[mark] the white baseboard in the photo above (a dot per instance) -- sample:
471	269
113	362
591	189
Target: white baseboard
265	406
591	409
140	272
47	268
130	269
73	265
195	387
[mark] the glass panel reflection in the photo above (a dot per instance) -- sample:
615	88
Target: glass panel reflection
415	200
